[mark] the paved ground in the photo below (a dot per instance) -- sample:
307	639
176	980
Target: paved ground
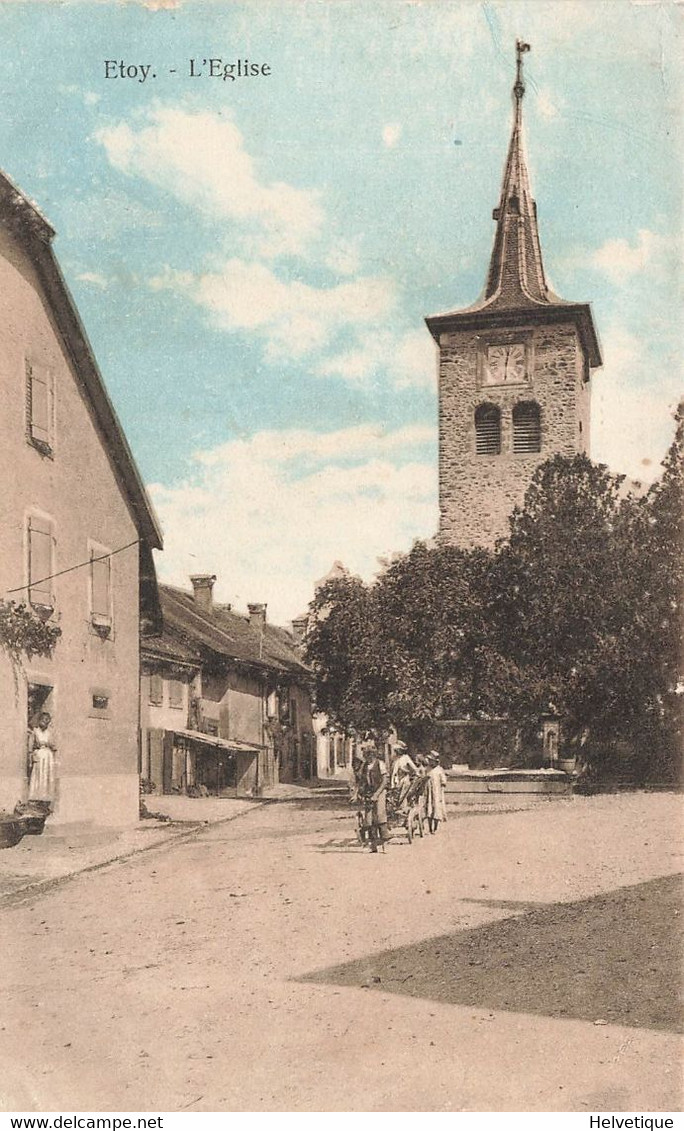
517	961
61	851
38	862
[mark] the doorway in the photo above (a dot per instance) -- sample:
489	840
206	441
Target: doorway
39	699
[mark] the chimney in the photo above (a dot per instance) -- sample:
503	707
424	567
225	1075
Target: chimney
298	630
257	615
202	585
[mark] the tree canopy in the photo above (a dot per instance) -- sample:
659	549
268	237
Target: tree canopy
578	611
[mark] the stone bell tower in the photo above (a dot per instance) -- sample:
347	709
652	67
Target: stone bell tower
514	370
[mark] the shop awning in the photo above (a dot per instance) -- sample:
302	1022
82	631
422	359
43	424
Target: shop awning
233	744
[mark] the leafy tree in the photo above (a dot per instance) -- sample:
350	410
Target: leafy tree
343	649
556	600
652	532
434	631
580	610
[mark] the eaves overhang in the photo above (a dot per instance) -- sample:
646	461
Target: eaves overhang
488	318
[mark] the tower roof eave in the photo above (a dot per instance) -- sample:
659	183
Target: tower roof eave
485	317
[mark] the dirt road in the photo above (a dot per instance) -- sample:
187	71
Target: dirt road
517	961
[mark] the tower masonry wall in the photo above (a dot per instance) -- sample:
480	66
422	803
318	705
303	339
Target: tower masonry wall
479	492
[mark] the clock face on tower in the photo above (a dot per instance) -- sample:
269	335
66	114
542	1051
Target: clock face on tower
505	364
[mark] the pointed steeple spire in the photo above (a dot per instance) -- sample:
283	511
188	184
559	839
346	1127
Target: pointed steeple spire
516	273
516	294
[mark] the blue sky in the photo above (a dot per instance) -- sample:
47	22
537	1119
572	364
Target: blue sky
253	259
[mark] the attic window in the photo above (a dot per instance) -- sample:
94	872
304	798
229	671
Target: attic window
526	428
487	430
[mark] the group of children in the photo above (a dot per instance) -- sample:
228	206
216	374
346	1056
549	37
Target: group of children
371	780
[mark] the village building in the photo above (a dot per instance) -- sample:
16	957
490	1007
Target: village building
77	536
334	750
514	370
225	699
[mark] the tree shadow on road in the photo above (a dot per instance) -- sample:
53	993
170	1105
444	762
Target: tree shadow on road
614	957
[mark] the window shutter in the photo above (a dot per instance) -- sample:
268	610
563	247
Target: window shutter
100	578
175	693
40	562
156	689
487	430
40	404
526	428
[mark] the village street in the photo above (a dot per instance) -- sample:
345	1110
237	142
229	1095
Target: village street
517	961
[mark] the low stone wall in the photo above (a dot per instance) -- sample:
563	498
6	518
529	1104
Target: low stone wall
480	744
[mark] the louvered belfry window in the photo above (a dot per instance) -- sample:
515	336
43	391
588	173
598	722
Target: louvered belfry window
487	430
526	428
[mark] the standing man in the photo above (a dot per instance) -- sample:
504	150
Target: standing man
435	801
374	779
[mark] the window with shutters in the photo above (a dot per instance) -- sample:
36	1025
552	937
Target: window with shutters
156	689
40	409
100	588
41	562
175	692
526	428
487	430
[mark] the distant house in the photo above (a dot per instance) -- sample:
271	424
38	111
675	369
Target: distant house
225	699
334	750
77	536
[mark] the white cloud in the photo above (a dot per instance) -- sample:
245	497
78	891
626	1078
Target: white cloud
200	157
343	257
295	318
272	512
94	278
408	359
391	134
619	260
202	160
631	419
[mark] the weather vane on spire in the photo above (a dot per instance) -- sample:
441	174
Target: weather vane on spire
520	49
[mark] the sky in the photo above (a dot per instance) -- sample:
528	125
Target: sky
253	258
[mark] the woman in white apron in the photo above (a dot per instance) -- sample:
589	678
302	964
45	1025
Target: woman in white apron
42	749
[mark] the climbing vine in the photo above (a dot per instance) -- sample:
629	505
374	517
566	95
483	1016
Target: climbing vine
22	632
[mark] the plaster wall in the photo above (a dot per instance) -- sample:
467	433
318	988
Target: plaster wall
76	488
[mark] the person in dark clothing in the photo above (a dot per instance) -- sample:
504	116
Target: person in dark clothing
374	779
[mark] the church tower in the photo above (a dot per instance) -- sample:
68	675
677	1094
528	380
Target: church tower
514	370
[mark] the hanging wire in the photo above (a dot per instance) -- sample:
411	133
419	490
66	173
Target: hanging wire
70	569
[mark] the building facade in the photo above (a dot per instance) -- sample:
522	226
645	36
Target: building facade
224	699
514	371
335	750
77	535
